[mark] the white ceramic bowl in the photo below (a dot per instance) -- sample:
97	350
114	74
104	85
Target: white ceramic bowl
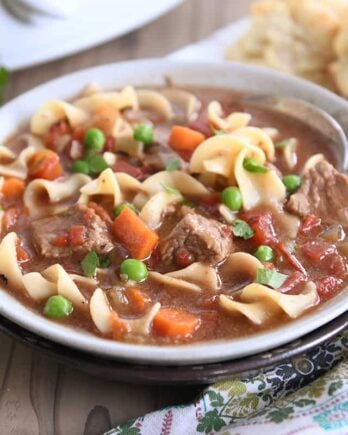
154	72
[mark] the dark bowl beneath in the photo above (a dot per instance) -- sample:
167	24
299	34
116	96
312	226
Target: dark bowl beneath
178	375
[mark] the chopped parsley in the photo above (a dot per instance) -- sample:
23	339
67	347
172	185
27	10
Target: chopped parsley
242	229
271	278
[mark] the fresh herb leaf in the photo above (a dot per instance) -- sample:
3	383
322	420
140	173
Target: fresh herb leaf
169	189
104	261
242	229
3	82
188	203
270	278
173	165
90	263
219	132
253	165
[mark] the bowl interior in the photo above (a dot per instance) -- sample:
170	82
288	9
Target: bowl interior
155	73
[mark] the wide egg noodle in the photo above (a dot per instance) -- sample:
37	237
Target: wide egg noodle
53	111
256	312
218	155
259	138
241	264
101	310
155	208
59	194
149	99
16	166
126	98
179	180
258	302
200	274
185	102
105	184
9	267
231	122
257	188
174	283
65	285
38	287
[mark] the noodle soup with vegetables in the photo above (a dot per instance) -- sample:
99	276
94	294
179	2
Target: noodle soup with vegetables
171	215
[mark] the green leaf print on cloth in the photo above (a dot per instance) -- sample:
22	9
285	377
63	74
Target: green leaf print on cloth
308	394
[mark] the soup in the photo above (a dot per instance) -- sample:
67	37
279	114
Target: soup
169	216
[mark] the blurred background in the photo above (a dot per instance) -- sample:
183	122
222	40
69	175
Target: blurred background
75	32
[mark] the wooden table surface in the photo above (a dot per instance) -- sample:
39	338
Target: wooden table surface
39	395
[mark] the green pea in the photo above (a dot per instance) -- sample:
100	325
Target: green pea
264	253
144	133
232	197
97	164
58	307
120	207
80	166
94	139
292	182
253	165
135	270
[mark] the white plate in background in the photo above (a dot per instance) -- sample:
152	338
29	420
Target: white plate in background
23	45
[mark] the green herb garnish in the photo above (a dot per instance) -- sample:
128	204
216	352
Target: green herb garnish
271	278
242	229
170	189
90	263
173	165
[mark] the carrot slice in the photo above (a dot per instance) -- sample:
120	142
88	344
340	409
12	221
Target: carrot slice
45	164
184	138
13	188
172	323
118	326
134	234
137	299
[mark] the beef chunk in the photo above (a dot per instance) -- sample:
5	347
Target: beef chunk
206	240
96	235
324	193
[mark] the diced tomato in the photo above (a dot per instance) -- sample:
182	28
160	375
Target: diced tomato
109	144
57	130
185	155
154	259
118	326
328	286
262	225
123	166
211	198
317	250
201	124
78	133
45	164
99	210
292	282
22	254
291	258
336	265
10	217
77	235
309	223
61	241
183	257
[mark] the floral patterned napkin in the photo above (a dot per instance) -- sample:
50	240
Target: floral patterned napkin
307	396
